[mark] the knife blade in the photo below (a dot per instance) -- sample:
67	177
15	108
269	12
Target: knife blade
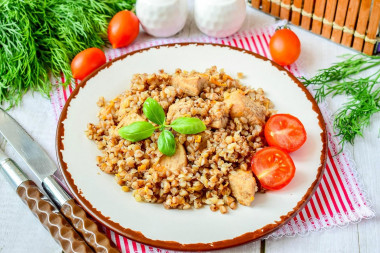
62	232
40	164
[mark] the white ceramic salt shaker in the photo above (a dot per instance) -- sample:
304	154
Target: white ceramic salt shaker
219	18
162	18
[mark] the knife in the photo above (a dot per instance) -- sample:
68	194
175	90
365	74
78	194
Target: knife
62	232
40	164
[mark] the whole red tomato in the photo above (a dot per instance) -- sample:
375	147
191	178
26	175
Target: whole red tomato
123	29
284	47
87	61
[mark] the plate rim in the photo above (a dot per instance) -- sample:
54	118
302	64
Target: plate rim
172	245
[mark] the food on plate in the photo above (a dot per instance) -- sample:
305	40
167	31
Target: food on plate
285	131
210	167
273	167
141	130
284	47
243	186
87	61
123	29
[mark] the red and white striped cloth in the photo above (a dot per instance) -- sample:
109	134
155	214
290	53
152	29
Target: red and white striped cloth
339	199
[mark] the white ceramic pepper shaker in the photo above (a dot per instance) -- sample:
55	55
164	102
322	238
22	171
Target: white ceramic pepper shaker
219	18
162	18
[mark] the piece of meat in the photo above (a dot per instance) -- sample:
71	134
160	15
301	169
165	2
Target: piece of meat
179	109
241	105
243	186
127	120
219	115
199	142
192	85
205	136
218	112
173	163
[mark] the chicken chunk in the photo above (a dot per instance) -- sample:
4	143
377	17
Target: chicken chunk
179	109
219	115
127	120
173	163
191	85
218	112
243	186
242	105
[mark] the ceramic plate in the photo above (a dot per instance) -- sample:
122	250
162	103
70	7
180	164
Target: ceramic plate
196	229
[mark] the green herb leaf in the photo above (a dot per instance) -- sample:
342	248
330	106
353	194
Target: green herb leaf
363	93
137	131
153	111
185	125
39	38
166	143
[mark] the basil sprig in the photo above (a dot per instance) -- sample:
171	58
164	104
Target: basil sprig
185	125
141	130
137	131
166	143
153	111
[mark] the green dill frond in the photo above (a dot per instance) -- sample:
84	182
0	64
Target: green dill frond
363	93
41	37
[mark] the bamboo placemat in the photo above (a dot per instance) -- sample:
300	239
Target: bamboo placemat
353	23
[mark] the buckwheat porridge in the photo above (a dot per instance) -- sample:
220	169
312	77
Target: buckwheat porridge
208	168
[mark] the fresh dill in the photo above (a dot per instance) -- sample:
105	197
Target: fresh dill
40	37
363	93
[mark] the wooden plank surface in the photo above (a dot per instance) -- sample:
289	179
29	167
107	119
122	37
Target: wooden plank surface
368	167
275	8
256	4
319	12
308	8
317	242
361	25
266	6
329	18
373	27
340	17
285	10
352	14
296	12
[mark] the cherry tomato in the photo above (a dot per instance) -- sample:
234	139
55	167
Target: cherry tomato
123	29
285	131
284	47
87	61
273	167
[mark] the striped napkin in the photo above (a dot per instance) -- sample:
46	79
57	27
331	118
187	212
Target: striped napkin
339	199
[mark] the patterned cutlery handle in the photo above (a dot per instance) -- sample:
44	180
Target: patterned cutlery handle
87	228
51	219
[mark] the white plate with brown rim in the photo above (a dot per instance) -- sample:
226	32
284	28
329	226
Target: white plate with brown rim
194	229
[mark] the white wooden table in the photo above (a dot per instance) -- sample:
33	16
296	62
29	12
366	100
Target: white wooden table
21	232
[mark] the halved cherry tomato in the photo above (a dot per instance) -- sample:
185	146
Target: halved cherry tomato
284	47
285	131
123	29
87	61
273	167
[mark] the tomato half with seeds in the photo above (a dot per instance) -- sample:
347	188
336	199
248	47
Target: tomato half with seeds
273	167
285	131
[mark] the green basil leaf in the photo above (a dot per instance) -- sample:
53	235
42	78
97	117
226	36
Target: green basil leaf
137	131
153	111
185	125
166	143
